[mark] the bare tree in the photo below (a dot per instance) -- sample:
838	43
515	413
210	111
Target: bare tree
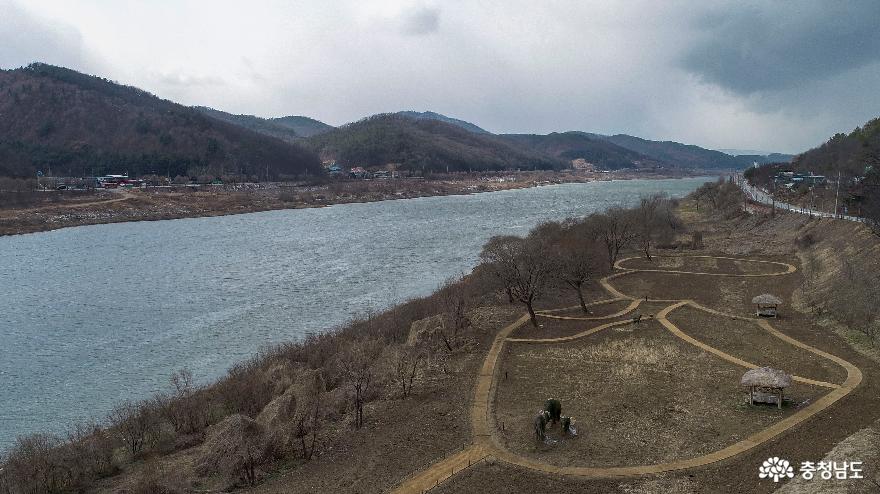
655	221
182	408
722	196
576	259
33	466
871	192
455	307
89	452
404	363
309	394
709	193
524	265
854	300
616	229
358	364
133	422
499	256
235	447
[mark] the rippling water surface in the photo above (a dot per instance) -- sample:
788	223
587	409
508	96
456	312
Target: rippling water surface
93	315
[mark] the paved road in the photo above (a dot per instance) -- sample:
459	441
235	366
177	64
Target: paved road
763	197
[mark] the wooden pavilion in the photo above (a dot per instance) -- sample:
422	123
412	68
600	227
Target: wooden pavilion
767	305
766	385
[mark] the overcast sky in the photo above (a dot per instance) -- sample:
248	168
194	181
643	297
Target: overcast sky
775	76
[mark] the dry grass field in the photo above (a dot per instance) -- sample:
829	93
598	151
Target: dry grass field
642	395
752	344
638	394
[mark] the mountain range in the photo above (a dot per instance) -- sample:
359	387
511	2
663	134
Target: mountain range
80	125
76	124
425	144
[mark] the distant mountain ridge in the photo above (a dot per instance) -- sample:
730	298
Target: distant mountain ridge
250	122
288	128
84	125
424	144
686	155
429	115
302	126
578	145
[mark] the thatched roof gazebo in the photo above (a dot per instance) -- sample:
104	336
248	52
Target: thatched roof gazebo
768	305
766	385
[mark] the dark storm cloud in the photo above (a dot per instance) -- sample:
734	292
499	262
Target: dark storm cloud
783	45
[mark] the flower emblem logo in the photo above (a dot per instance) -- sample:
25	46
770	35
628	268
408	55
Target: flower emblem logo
775	468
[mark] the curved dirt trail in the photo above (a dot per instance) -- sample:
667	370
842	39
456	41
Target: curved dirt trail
487	444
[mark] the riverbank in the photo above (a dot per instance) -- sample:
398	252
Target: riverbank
151	204
265	395
223	287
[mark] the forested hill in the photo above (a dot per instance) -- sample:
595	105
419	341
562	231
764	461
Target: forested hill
424	144
84	125
685	155
256	124
852	154
429	115
574	145
303	126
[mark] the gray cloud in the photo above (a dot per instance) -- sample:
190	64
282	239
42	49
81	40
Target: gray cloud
26	38
780	76
420	20
783	45
188	80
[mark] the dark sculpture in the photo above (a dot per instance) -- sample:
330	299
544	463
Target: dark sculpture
554	408
541	425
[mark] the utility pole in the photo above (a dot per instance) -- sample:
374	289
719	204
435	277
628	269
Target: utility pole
811	202
837	193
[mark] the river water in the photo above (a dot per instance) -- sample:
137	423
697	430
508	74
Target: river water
93	315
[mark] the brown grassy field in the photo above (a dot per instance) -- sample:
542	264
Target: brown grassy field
752	344
847	430
639	396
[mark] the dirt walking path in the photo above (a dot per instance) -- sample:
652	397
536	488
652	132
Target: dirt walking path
487	444
123	196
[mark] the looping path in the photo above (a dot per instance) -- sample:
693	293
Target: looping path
487	444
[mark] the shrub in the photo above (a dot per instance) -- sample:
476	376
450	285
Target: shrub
34	466
234	449
133	422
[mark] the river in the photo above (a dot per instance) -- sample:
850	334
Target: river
93	315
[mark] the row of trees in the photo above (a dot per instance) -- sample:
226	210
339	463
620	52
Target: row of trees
576	252
722	197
